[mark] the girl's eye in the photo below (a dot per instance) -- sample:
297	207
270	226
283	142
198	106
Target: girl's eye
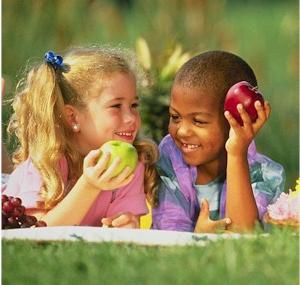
118	106
135	105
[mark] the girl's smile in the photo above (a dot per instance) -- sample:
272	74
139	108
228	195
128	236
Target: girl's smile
127	136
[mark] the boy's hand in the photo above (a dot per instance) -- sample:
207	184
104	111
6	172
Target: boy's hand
240	137
205	224
100	176
124	220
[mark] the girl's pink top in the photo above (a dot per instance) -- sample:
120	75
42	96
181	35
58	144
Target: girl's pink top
25	182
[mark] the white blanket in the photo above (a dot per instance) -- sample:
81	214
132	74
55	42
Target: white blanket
94	234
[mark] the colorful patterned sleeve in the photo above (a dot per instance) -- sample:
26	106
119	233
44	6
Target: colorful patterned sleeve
172	212
268	180
174	209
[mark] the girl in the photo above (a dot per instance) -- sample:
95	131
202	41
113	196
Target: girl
64	111
208	158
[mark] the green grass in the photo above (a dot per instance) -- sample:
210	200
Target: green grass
272	259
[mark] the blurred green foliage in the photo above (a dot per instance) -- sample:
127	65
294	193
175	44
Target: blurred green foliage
264	33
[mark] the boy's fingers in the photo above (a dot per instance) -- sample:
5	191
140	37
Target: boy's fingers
222	224
261	112
267	108
244	115
231	120
204	210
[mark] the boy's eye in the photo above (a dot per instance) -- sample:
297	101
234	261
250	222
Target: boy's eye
174	118
200	122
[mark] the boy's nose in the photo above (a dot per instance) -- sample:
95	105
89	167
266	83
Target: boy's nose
184	130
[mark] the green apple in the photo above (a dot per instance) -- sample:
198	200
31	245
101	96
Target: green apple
125	151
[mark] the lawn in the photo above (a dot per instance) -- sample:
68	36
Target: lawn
263	259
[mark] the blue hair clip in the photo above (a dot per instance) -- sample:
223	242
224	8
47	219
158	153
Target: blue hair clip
55	60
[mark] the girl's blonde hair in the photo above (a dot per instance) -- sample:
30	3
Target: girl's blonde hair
39	123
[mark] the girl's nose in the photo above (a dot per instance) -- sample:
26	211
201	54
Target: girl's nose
129	117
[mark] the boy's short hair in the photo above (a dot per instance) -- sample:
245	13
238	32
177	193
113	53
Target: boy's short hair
216	71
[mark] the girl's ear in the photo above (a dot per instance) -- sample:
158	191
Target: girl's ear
71	117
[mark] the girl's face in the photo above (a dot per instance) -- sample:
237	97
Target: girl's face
111	114
198	126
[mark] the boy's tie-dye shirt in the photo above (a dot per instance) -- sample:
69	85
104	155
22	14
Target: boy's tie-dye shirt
179	208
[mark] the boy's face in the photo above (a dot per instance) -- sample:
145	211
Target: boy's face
198	126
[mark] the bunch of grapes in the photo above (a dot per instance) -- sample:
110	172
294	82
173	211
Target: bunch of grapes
13	214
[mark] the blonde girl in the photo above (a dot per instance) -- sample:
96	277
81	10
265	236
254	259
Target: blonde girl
64	110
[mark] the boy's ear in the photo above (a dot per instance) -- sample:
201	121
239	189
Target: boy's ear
70	114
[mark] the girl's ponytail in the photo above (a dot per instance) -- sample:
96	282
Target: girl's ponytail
148	154
39	126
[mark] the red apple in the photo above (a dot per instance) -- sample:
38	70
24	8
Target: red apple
242	93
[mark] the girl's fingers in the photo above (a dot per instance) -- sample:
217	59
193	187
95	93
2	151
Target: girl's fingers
127	180
130	225
121	220
91	158
106	222
108	173
101	164
124	177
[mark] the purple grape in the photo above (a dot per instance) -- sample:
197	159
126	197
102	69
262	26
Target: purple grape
31	220
18	211
7	207
17	202
13	214
4	198
13	222
40	224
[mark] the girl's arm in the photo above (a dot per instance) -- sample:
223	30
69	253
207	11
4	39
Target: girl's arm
128	203
72	209
240	203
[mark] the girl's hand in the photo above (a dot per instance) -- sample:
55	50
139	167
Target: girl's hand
206	225
240	137
99	176
123	220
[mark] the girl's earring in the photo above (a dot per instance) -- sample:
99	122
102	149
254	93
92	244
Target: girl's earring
75	127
